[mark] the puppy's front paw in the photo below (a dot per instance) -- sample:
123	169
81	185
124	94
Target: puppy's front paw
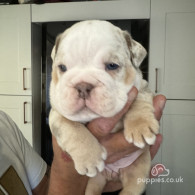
141	130
88	160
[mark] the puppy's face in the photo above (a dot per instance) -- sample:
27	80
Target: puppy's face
94	67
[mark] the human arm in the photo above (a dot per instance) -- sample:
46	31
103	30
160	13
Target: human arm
64	179
42	187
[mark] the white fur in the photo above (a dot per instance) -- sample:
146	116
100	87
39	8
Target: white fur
85	49
150	140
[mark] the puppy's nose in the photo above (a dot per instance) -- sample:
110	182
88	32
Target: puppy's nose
84	89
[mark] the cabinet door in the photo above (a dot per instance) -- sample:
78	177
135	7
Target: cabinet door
177	150
15	50
172	46
19	108
85	10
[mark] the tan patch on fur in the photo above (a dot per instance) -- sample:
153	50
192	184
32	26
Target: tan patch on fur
129	75
127	37
58	39
54	76
113	73
139	169
140	124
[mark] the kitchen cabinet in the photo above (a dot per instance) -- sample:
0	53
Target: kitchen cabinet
19	108
171	72
172	46
178	147
15	47
102	10
20	60
177	150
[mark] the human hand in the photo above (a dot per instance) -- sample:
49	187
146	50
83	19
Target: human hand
116	145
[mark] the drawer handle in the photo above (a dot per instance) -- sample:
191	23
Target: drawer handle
156	84
24	88
24	106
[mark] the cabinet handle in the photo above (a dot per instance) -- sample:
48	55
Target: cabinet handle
156	84
24	88
24	106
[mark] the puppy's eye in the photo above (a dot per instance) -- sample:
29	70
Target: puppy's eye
62	68
112	66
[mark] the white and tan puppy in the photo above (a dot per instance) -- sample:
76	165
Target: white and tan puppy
95	64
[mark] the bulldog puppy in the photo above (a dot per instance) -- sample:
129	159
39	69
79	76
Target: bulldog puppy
95	64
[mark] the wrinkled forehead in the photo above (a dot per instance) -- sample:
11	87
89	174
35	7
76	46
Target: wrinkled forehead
90	36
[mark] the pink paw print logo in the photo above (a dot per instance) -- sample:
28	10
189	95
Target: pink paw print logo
159	170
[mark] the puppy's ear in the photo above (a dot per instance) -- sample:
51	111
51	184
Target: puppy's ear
55	48
137	51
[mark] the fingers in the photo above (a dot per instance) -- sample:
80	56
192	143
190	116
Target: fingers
117	146
154	148
159	104
102	126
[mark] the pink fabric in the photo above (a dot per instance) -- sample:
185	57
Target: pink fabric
122	163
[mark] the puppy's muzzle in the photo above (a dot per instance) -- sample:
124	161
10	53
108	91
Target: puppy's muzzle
84	89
